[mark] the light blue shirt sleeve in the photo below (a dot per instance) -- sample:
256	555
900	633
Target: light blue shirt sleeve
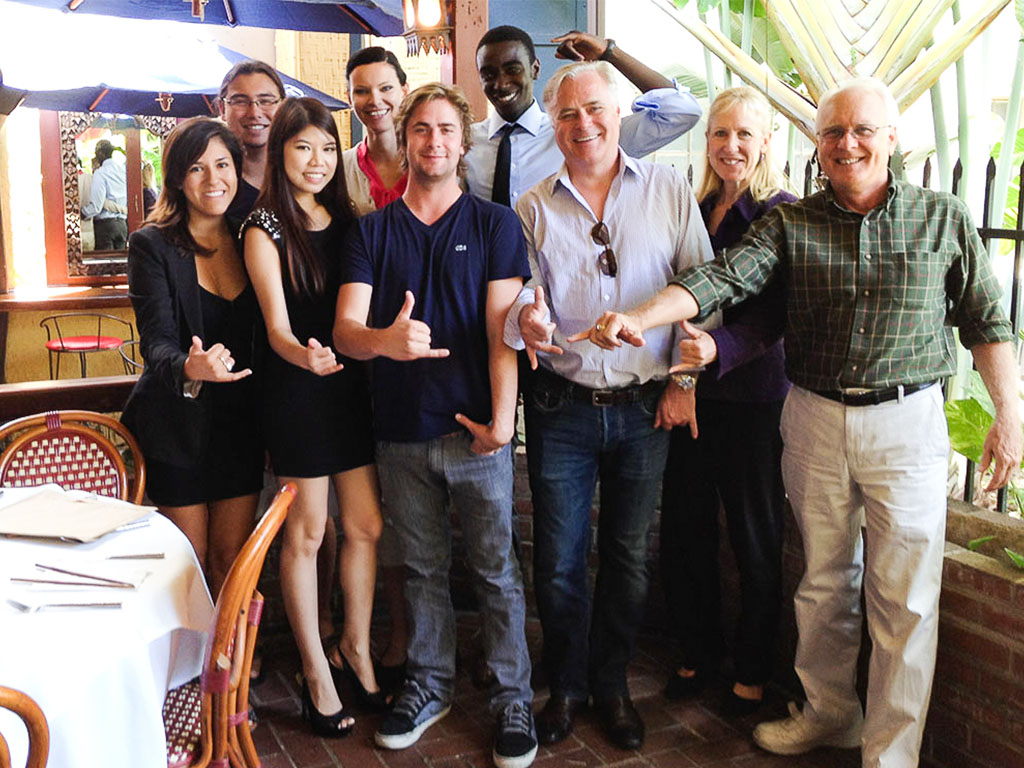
659	117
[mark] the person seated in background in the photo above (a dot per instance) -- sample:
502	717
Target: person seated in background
516	144
733	459
150	191
193	409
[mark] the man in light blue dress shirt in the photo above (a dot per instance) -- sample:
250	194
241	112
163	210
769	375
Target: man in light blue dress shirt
606	230
108	200
508	66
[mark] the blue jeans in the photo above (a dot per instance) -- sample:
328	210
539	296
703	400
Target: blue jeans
417	480
570	445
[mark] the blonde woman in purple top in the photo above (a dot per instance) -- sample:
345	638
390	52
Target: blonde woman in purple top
740	393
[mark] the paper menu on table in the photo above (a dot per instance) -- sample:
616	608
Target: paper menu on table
54	514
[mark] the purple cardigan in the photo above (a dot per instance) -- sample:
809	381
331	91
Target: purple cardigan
751	363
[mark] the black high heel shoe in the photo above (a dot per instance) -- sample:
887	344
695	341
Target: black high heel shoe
377	701
326	726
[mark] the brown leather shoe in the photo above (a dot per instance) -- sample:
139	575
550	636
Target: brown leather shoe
621	722
555	721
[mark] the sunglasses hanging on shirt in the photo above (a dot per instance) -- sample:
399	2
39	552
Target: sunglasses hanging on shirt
606	261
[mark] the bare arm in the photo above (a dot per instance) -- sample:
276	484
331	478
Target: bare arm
264	267
501	362
584	47
404	339
1003	443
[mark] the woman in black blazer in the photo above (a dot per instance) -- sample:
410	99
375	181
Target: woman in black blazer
195	409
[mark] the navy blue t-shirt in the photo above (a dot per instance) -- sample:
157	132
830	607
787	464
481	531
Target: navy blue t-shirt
447	265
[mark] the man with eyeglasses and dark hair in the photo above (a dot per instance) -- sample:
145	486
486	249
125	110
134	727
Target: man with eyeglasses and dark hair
604	231
250	94
877	272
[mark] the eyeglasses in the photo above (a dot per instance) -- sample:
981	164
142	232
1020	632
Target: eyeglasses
244	102
862	132
606	261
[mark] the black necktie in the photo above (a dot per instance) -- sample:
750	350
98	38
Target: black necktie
502	167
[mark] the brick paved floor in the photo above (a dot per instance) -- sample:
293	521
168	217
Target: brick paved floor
688	734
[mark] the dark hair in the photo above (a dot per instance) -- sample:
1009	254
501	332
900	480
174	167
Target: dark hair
186	144
375	55
306	273
427	93
104	150
508	34
250	67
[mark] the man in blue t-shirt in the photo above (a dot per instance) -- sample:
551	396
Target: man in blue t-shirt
436	272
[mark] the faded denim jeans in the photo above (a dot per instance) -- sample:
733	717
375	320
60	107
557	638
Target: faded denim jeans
569	446
417	481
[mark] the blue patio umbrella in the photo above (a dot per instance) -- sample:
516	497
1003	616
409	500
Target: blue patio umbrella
374	17
171	95
92	64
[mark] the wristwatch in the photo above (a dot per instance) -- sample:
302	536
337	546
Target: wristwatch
607	54
190	389
684	380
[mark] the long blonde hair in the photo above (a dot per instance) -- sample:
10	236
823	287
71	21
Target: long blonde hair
767	179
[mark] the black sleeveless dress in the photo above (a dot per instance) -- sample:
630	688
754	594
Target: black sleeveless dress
314	425
232	461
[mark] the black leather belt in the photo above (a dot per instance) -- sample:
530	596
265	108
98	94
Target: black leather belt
605	397
873	397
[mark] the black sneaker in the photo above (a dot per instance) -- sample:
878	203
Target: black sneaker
416	709
515	745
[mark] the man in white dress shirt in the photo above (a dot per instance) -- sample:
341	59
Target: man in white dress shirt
604	231
507	66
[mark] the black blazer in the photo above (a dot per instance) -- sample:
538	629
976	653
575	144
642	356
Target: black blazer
164	291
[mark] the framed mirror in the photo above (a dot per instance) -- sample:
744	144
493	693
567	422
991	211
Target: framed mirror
110	177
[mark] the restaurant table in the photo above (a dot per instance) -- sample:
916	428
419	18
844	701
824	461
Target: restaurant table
100	675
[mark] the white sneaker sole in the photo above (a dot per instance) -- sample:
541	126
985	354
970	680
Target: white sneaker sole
407	739
846	739
522	761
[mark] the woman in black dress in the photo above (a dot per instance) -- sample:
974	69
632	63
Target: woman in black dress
193	408
316	411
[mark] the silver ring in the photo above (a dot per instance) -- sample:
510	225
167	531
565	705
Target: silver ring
599	327
227	365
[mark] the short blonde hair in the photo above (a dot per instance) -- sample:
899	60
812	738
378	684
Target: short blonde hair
767	179
573	70
430	92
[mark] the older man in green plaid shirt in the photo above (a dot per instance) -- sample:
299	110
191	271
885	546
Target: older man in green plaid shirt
877	272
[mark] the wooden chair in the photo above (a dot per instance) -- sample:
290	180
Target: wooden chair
68	448
35	722
59	343
224	737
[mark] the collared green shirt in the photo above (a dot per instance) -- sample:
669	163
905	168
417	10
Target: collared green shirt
870	299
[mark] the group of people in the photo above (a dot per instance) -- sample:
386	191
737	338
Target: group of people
358	318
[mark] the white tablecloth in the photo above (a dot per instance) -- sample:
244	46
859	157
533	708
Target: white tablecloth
100	675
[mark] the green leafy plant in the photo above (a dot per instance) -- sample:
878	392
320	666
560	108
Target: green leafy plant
1016	557
974	544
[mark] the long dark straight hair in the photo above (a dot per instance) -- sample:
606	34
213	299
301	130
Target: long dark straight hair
305	272
186	144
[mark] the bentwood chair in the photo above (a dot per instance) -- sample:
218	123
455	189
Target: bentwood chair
78	450
35	723
59	342
130	356
220	734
